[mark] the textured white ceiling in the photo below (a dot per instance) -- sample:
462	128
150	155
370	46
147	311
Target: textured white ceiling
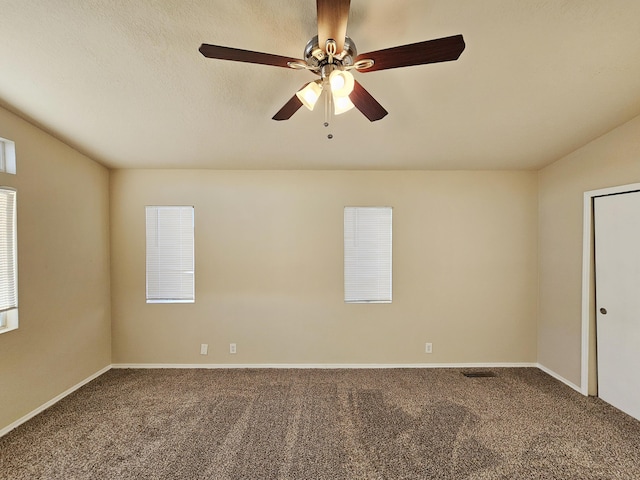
123	82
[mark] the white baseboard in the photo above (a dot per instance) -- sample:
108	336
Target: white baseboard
322	365
560	378
51	402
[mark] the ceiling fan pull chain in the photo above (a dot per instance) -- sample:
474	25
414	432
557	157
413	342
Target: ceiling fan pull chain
327	112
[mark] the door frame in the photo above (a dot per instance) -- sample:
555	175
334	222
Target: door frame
589	367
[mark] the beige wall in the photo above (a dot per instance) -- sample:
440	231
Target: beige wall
611	160
63	279
269	268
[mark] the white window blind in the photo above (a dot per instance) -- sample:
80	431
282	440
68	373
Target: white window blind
8	258
170	254
367	254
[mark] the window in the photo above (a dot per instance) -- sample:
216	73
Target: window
7	156
170	254
367	254
8	261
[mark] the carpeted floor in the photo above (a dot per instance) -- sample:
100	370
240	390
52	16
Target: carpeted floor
324	424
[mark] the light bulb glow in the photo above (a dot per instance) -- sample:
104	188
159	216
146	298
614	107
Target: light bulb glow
310	96
342	82
337	82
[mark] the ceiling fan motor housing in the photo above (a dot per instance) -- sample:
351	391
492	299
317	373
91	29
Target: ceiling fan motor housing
316	57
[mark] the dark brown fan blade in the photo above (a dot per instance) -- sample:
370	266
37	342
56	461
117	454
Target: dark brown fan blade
431	51
368	105
289	108
332	22
238	55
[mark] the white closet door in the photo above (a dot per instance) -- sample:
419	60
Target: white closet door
617	248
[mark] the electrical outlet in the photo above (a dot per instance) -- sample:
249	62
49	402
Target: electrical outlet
232	348
428	348
204	349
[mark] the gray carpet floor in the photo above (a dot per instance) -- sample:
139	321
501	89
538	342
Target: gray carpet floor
324	424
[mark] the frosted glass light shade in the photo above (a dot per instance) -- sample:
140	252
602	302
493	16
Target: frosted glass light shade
309	94
341	104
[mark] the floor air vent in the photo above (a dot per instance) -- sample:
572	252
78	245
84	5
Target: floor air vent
479	374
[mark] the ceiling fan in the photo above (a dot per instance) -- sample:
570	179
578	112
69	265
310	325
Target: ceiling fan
332	55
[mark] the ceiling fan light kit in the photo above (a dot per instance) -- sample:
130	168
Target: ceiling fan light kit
332	55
